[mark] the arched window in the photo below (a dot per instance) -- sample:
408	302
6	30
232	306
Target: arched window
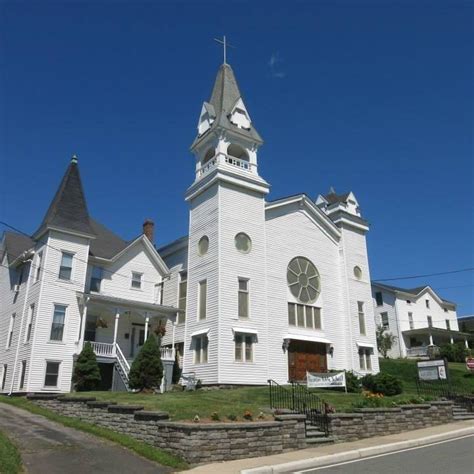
209	154
237	152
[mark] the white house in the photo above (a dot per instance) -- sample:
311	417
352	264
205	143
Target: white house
260	289
417	317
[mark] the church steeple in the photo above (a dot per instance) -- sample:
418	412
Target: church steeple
227	140
226	110
68	209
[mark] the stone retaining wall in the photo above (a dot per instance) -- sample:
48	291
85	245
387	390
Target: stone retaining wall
368	422
196	443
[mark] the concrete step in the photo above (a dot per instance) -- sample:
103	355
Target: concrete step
469	416
315	434
314	441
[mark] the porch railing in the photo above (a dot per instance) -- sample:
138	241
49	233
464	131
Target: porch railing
417	351
300	400
103	349
167	353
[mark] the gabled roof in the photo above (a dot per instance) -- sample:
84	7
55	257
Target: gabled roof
68	210
106	244
411	291
14	245
225	95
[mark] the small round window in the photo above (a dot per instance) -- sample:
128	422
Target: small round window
303	280
203	245
357	272
243	243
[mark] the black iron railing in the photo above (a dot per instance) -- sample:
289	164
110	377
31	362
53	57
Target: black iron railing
448	390
299	399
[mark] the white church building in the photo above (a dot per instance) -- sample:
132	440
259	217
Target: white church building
260	289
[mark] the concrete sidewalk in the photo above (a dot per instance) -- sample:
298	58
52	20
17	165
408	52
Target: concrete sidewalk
329	454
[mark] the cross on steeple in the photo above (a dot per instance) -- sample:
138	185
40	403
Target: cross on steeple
224	44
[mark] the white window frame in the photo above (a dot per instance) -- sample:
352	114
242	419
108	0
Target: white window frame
96	270
29	323
385	326
361	317
64	322
246	292
201	350
316	316
182	300
410	320
11	328
365	360
202	315
247	340
4	376
61	266
50	361
429	320
135	280
39	261
21	382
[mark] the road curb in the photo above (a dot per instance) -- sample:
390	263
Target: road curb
354	454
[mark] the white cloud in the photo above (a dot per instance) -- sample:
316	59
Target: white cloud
273	63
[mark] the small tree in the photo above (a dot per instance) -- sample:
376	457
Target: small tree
147	370
86	375
384	340
176	369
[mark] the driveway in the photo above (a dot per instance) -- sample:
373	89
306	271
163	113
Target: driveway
48	447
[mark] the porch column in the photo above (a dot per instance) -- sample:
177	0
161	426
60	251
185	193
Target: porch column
172	337
466	343
147	320
82	326
117	317
451	339
431	340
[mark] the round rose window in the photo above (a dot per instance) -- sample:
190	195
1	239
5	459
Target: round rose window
243	243
203	245
303	280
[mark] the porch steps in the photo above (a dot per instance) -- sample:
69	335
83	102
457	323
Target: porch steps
123	375
314	436
461	413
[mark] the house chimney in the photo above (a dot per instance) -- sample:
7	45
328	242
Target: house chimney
149	229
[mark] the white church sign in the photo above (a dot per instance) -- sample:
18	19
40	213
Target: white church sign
326	380
432	370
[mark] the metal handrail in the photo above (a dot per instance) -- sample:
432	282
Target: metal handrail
122	360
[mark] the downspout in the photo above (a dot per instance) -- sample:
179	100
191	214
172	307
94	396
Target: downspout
25	301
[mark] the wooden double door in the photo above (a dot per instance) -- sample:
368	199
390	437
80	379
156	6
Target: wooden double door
305	356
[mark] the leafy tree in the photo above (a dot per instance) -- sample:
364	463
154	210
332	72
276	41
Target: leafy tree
454	352
86	375
384	340
147	370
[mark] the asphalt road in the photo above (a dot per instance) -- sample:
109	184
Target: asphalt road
50	448
450	457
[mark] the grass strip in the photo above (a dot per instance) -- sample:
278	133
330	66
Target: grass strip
10	459
145	450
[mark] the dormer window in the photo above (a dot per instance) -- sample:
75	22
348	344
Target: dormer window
239	116
206	118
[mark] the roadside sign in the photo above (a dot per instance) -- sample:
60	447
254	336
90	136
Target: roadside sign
326	380
432	370
470	363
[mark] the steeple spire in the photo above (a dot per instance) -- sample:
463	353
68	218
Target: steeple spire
68	209
226	109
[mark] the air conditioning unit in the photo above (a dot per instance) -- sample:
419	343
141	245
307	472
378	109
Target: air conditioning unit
16	288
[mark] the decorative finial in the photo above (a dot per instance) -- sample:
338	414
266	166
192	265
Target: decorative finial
224	44
332	190
74	159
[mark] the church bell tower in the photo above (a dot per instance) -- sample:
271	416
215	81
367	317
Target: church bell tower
226	255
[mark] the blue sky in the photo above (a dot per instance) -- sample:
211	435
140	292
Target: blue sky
369	96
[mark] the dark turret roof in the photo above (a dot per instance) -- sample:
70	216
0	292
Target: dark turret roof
68	210
224	96
14	245
333	198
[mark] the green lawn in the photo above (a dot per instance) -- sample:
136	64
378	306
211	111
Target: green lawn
185	405
10	460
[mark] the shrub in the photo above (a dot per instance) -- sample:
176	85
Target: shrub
382	383
352	382
176	370
215	416
232	417
370	400
86	375
147	370
248	415
454	352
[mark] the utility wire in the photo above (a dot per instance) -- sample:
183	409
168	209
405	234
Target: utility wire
426	275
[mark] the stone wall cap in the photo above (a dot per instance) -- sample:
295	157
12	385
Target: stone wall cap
43	396
441	402
378	410
151	415
219	426
124	408
100	404
293	416
345	415
77	399
413	406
